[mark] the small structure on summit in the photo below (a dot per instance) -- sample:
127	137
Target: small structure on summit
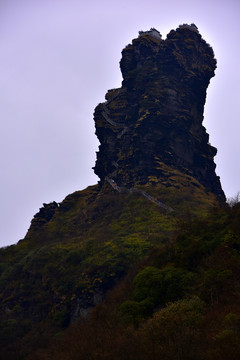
192	27
152	32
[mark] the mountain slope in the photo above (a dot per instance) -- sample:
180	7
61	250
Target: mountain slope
115	254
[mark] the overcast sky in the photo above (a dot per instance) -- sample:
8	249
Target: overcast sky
57	61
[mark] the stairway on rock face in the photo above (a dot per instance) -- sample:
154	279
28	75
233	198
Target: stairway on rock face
120	189
107	118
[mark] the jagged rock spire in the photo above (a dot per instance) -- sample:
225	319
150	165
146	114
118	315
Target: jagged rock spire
155	118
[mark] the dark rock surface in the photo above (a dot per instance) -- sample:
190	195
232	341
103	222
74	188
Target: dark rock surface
44	215
156	117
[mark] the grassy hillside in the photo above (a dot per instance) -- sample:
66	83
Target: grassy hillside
181	302
119	262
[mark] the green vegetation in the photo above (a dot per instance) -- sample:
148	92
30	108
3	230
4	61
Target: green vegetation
182	303
170	278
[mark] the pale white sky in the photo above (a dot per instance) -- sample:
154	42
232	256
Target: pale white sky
58	58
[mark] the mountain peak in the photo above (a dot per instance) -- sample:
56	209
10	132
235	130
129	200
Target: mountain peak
155	119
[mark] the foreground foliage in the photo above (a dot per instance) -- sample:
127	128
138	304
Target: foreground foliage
170	283
168	312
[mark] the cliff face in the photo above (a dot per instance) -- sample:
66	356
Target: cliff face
155	119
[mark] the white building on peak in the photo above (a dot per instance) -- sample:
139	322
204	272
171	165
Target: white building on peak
152	32
192	27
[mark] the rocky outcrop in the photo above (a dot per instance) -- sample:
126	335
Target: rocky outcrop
44	215
155	118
